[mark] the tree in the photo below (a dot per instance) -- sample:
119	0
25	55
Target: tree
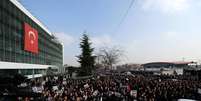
109	56
86	59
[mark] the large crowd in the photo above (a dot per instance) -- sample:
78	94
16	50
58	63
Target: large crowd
116	88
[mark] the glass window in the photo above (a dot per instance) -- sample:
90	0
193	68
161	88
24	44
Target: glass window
12	43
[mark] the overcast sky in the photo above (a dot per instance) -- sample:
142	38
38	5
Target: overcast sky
153	30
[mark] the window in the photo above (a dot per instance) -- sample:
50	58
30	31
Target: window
11	39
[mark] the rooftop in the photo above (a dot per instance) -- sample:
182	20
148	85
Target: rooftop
175	63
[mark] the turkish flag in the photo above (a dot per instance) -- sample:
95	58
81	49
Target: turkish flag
30	39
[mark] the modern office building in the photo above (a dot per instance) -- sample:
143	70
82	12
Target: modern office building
26	45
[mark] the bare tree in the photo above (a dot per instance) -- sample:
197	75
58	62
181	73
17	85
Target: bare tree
108	56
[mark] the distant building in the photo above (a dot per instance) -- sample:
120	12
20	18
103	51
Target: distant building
71	71
129	67
193	72
168	67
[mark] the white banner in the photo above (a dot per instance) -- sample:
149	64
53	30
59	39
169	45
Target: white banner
199	90
133	93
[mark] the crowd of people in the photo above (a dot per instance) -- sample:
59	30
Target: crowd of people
116	88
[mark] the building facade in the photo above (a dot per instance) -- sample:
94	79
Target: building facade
168	67
26	45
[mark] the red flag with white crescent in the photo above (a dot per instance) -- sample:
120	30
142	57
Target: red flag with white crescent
30	39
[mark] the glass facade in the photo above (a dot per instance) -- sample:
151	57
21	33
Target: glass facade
12	20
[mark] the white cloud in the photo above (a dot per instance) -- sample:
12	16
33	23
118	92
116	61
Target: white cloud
166	6
100	41
66	39
168	46
171	35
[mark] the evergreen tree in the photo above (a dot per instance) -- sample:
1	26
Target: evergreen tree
86	59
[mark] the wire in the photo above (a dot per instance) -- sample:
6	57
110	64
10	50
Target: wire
124	16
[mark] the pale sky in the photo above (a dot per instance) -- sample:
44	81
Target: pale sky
153	30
